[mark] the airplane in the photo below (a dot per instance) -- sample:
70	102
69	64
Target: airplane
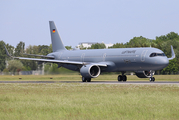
91	63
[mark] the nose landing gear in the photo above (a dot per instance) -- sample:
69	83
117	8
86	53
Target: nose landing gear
152	79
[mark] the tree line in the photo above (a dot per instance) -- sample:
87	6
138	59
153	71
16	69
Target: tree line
162	42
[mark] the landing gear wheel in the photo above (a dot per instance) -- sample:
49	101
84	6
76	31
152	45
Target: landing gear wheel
152	79
120	78
88	79
124	78
84	79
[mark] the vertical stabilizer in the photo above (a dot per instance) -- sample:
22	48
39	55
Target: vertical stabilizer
57	43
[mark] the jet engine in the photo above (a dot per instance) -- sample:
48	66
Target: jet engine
90	71
144	74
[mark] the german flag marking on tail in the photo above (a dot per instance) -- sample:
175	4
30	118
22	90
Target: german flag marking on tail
53	30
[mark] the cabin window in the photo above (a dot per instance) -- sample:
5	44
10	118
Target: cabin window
157	54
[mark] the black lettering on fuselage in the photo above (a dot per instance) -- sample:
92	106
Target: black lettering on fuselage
128	51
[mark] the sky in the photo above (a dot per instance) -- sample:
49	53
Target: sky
108	21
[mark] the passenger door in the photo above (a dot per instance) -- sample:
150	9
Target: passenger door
143	55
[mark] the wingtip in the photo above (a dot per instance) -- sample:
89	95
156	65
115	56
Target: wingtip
7	53
173	53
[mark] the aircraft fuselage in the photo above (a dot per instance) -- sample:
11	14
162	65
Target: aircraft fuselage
119	59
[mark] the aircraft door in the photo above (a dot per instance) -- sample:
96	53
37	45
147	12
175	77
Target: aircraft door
143	55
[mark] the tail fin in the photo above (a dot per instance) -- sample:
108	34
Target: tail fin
57	43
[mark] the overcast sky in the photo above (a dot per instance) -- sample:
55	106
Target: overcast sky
108	21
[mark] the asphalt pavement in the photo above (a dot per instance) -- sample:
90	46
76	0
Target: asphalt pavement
97	82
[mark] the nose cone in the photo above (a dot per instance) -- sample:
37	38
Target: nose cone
158	63
163	62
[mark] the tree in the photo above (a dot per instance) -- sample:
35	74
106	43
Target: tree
98	46
139	42
47	67
39	50
68	47
52	68
14	66
27	63
10	49
44	49
169	36
50	49
19	50
118	45
172	67
2	56
164	42
172	36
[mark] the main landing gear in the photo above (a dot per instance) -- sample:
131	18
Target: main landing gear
86	79
122	78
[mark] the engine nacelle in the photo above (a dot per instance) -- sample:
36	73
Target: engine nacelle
90	71
144	74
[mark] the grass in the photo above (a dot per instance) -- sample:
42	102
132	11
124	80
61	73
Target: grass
88	101
73	77
79	101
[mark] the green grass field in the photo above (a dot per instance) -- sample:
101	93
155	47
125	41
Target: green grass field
75	77
79	101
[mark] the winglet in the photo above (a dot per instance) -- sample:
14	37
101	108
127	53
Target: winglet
173	53
7	51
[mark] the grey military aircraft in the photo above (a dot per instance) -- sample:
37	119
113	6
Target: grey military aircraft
91	63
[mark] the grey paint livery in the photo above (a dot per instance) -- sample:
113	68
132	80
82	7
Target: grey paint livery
90	63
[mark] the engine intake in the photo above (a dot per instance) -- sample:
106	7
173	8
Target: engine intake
144	74
90	71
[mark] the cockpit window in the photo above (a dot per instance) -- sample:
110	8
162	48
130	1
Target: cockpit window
153	55
157	54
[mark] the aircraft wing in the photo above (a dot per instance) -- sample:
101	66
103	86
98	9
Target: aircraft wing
55	61
61	61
